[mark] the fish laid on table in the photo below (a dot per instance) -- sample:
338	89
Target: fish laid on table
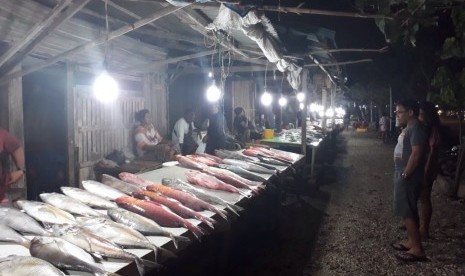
189	200
88	198
202	160
46	213
11	236
249	166
174	206
271	160
120	185
189	163
222	153
68	204
120	234
242	172
211	182
233	179
21	222
101	190
259	154
143	224
199	193
65	255
273	153
159	213
96	245
27	266
212	157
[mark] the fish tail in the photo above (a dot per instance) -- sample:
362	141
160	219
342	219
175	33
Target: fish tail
143	265
235	209
165	253
219	212
207	221
197	231
177	239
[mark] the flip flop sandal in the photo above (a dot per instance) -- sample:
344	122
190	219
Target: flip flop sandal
408	257
399	247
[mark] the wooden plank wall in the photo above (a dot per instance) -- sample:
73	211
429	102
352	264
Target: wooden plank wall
243	94
101	128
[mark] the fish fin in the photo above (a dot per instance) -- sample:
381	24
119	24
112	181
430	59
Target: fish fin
178	239
175	241
233	209
97	256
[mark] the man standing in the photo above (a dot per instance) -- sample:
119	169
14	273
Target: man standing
408	176
183	133
9	146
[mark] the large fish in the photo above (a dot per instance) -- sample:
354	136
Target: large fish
249	166
189	163
212	157
65	255
143	224
271	160
232	178
199	193
27	266
120	185
88	198
68	204
222	153
102	190
202	160
243	172
159	213
96	245
187	199
174	206
21	222
120	234
276	154
211	182
11	236
46	213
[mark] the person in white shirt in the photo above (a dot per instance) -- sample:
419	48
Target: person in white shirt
184	133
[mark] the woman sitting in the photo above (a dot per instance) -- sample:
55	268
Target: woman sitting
150	145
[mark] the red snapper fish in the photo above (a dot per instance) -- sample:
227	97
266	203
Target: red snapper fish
232	178
189	163
202	160
211	182
212	157
189	200
159	213
275	154
174	206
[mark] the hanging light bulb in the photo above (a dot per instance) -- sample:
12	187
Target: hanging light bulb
213	93
301	106
105	87
266	98
282	101
300	97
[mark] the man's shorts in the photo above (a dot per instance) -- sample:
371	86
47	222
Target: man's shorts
406	194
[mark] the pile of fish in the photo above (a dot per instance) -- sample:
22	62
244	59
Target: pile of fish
78	228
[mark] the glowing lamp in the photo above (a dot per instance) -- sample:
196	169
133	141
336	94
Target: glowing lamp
300	96
105	88
282	101
266	99
213	93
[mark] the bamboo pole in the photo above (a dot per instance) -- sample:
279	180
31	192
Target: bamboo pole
338	63
381	50
104	38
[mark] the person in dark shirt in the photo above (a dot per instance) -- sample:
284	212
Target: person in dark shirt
241	126
217	132
10	146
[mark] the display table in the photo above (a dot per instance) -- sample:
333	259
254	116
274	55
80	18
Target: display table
128	268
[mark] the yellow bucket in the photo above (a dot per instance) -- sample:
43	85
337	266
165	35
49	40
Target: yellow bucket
268	133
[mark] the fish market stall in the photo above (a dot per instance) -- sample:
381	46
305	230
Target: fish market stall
77	215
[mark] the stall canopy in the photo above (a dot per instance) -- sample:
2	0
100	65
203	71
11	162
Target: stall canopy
158	35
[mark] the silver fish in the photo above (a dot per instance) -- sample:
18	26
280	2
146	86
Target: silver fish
68	204
46	213
199	193
96	245
11	236
242	172
120	185
102	190
119	234
249	166
64	255
222	153
21	222
142	224
27	266
88	198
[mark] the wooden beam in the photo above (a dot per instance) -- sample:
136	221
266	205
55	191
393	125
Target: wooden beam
34	31
199	25
67	14
105	38
150	66
338	63
232	69
381	50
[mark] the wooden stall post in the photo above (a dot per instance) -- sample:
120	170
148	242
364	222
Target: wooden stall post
70	118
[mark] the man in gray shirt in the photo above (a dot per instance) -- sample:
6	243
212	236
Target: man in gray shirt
408	177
